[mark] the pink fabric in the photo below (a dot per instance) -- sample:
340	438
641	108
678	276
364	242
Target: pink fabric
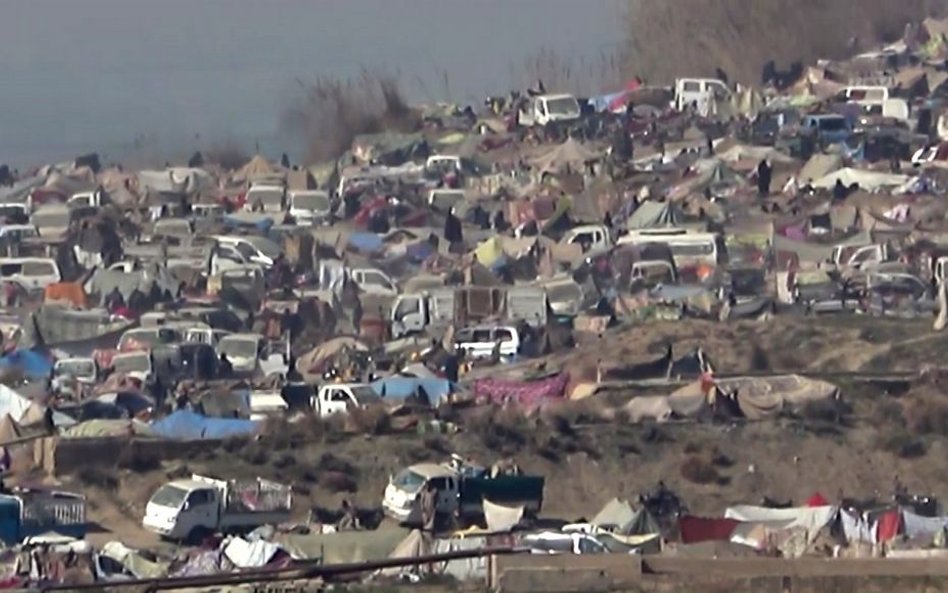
527	393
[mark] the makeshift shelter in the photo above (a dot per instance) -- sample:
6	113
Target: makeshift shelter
618	516
652	215
396	388
30	363
866	180
764	397
258	168
343	547
185	425
568	155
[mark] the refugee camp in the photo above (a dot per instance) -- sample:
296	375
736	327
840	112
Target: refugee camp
664	333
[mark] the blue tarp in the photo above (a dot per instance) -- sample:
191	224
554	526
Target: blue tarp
366	242
261	222
33	364
420	251
398	388
185	425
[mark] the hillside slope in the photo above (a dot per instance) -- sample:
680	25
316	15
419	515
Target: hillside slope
670	38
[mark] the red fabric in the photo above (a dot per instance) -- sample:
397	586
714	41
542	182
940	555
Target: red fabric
698	529
817	500
889	525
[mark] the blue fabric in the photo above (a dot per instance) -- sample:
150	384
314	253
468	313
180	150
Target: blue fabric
262	224
33	364
419	252
185	425
399	388
365	242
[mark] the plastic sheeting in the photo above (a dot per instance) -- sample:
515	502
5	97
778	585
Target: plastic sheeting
244	554
342	547
501	518
29	362
811	519
866	180
187	426
399	388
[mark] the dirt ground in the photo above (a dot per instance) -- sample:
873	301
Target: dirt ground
881	432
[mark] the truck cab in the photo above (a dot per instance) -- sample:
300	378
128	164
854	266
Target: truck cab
482	341
310	207
699	92
412	313
339	398
860	257
592	238
545	109
92	199
267	197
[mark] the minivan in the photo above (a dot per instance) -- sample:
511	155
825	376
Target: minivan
32	273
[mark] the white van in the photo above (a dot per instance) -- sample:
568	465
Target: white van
32	273
545	109
481	341
310	207
699	92
876	100
687	248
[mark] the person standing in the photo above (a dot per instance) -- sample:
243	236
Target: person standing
764	177
453	233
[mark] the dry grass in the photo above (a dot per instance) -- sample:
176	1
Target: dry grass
671	38
332	112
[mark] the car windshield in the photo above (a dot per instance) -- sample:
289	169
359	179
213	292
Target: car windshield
169	496
563	106
238	347
833	124
132	363
408	481
311	201
75	368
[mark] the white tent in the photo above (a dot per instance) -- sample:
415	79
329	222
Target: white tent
867	180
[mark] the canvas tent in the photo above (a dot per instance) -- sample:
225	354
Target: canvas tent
618	516
866	180
652	215
570	154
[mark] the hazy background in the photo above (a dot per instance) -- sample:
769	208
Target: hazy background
146	79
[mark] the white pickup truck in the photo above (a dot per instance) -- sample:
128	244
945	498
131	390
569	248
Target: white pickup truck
190	509
339	398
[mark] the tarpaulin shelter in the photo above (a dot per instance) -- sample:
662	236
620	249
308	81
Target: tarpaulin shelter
258	168
570	154
652	215
529	393
620	517
867	180
185	425
398	388
695	530
31	363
